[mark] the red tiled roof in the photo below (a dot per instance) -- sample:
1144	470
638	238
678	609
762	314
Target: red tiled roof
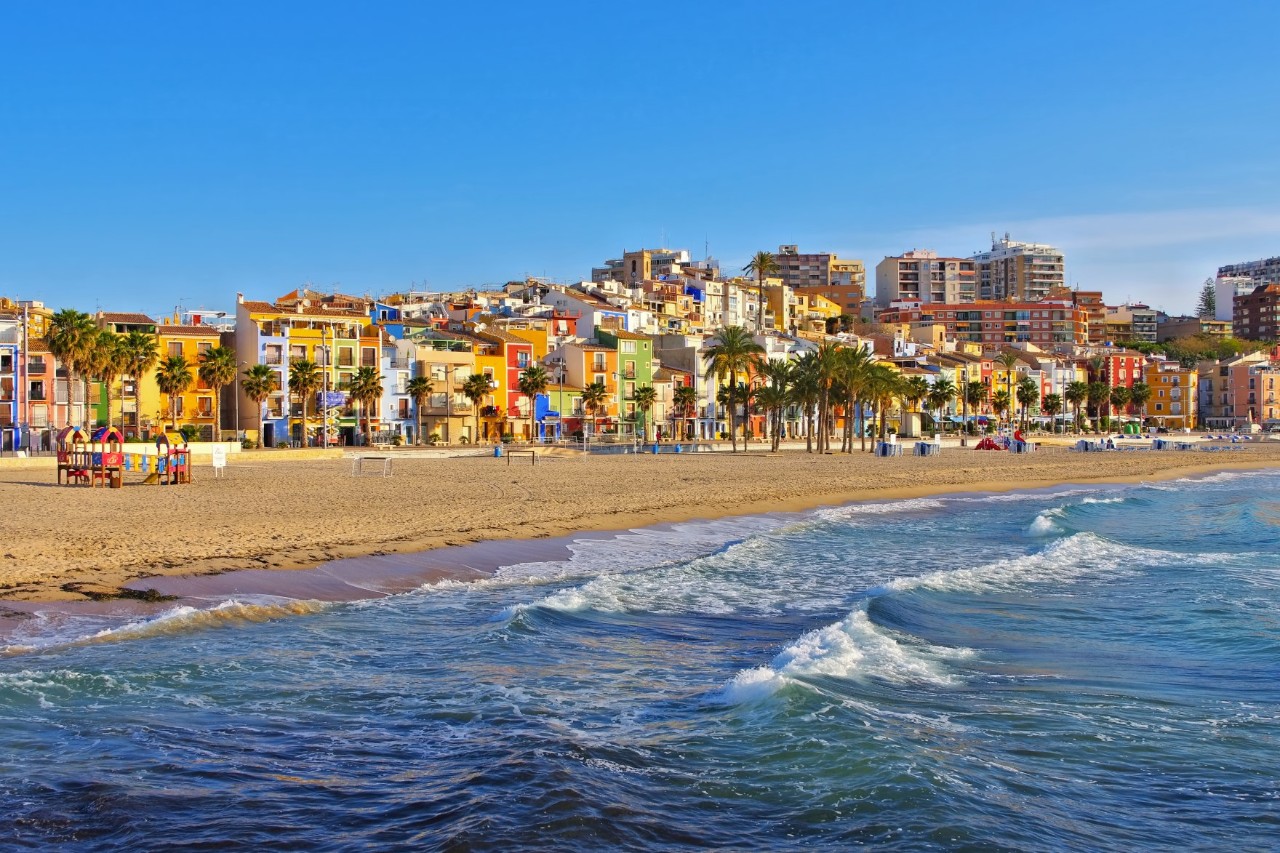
117	317
200	331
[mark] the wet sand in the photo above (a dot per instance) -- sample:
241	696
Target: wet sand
71	543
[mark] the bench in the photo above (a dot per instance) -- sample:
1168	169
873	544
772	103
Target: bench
533	456
357	464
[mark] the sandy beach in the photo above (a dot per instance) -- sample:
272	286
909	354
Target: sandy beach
67	543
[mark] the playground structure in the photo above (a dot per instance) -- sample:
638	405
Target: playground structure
85	459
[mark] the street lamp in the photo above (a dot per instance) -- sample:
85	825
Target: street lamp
964	407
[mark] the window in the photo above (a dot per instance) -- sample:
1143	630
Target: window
522	359
629	347
403	410
37	390
272	354
368	357
438	373
175	348
297	353
203	347
36	365
346	357
204	407
599	363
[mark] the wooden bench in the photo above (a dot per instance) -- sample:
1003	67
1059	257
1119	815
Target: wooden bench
533	456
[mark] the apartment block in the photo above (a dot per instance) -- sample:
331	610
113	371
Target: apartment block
995	324
1173	394
647	264
921	276
1264	271
1256	315
1186	327
1020	272
1225	291
841	280
1131	322
1239	391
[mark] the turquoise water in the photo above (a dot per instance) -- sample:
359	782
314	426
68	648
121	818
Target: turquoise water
1077	669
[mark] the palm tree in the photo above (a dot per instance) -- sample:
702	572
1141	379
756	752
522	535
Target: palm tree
594	396
476	387
734	352
70	337
259	383
775	395
941	392
685	399
106	360
419	388
805	393
829	363
975	394
883	385
1097	394
218	370
1120	396
914	392
645	396
304	380
533	381
762	266
173	378
1077	393
1139	394
1028	391
365	387
1009	361
852	384
1000	403
141	353
1051	405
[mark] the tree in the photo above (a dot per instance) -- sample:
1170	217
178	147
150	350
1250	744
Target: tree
1120	396
1097	393
1139	394
1028	391
365	388
476	387
533	381
70	338
1077	393
1051	405
645	397
106	360
594	397
775	395
218	370
1207	309
762	266
734	352
419	388
975	394
305	380
1000	403
850	383
258	383
805	393
827	365
1009	361
883	385
941	392
173	378
915	390
685	399
141	353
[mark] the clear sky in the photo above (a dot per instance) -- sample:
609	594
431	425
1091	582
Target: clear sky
163	154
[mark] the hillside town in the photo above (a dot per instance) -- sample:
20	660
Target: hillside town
657	346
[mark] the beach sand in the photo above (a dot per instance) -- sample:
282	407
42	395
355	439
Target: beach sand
65	543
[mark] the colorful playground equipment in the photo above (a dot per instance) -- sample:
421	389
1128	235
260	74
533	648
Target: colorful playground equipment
89	459
85	459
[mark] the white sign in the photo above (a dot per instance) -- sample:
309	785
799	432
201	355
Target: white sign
219	457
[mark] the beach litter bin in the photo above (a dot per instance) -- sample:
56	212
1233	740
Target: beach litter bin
655	448
497	451
679	449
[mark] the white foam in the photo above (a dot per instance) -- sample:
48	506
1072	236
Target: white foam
1044	524
854	647
1068	559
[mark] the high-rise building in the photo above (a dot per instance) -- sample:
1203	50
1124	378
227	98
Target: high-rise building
1256	315
921	276
1021	272
1225	290
841	280
1131	322
1264	271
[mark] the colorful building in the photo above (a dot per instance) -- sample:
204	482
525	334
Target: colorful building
1173	394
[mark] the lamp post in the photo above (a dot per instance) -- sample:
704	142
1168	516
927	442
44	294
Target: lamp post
964	407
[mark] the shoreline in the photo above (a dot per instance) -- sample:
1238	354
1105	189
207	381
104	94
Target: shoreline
381	574
491	516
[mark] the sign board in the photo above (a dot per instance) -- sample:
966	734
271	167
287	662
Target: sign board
219	457
331	399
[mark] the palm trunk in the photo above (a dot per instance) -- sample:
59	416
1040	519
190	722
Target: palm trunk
733	411
217	415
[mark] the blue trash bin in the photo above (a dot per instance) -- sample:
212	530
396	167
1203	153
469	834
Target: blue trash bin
497	451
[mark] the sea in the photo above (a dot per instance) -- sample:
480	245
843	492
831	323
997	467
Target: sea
1081	668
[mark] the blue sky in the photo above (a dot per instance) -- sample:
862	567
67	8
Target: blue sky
155	155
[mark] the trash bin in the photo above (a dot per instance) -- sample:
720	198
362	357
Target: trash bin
655	448
497	451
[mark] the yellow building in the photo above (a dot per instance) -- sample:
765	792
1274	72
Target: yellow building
193	406
1173	394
